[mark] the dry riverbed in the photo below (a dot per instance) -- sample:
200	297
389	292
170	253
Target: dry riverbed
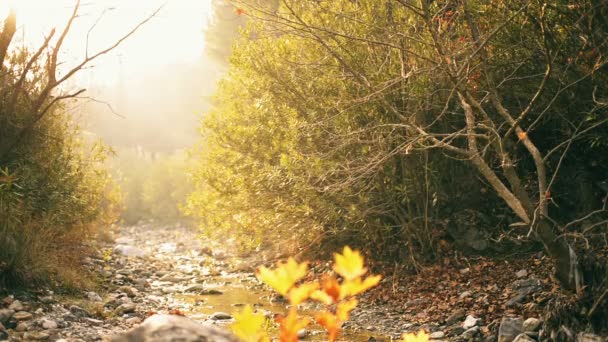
152	269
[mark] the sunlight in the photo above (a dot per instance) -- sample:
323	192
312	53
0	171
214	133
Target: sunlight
174	36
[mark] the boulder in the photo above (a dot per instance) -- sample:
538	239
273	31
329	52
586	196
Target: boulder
510	328
171	328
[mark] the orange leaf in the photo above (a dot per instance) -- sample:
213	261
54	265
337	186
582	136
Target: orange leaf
290	326
349	264
284	276
330	322
239	11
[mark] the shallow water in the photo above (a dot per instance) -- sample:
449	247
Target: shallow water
239	290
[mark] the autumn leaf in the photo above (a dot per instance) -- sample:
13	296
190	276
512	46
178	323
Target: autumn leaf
301	293
249	327
323	297
357	286
330	322
343	309
422	336
349	264
290	325
284	276
239	11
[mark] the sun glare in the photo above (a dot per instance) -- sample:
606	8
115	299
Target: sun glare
174	36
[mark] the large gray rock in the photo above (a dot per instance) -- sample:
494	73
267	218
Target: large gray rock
172	328
510	328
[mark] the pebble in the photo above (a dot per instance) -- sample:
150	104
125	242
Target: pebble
49	324
470	322
470	333
531	324
23	316
521	274
16	306
133	320
5	315
125	308
523	338
437	335
36	336
3	332
94	297
21	327
218	316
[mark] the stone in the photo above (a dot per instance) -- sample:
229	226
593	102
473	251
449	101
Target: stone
510	328
521	274
470	333
303	333
16	306
133	320
36	336
125	308
47	299
94	297
129	291
3	332
129	251
49	324
437	335
78	312
5	315
219	316
588	337
523	338
532	324
456	316
23	316
470	322
21	327
174	328
92	321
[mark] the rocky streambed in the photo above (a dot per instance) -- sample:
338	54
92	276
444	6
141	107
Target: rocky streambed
152	270
167	273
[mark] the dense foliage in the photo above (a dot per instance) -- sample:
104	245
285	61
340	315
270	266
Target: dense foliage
377	123
154	185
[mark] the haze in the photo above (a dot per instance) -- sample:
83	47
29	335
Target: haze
151	90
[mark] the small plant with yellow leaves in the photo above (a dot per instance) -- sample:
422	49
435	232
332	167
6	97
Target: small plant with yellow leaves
338	295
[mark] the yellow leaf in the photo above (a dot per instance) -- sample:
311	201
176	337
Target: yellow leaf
411	337
301	293
290	325
356	286
284	276
322	297
249	327
344	308
349	264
